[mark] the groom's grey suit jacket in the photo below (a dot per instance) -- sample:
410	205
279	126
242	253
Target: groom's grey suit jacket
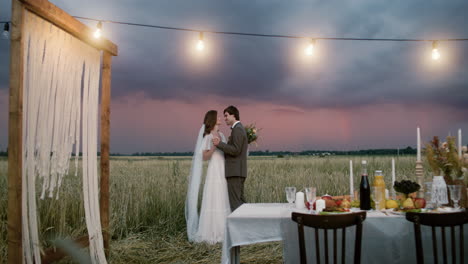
235	152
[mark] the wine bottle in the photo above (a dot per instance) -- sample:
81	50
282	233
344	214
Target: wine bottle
364	189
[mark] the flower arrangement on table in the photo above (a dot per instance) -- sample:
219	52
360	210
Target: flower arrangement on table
443	158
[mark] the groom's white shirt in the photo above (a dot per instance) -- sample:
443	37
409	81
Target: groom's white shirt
235	124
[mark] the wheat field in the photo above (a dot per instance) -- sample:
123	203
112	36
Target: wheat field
148	197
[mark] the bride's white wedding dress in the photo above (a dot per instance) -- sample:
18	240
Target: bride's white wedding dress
215	203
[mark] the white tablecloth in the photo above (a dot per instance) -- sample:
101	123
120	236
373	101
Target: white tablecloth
386	239
253	223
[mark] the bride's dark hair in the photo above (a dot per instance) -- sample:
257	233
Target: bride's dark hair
211	118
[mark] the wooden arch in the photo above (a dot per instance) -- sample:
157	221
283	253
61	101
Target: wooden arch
61	19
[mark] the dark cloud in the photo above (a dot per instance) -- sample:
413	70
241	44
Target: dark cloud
348	74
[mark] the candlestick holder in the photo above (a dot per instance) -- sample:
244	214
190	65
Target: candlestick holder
420	178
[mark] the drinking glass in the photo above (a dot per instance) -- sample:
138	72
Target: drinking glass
455	194
311	194
376	193
290	194
428	194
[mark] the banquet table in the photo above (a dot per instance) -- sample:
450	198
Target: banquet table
386	238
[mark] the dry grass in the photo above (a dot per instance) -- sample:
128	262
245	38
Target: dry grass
148	195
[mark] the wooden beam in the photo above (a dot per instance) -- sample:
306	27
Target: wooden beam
15	138
60	18
51	255
105	141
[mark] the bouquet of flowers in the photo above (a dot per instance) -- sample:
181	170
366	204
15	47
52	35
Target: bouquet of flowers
252	135
443	158
465	159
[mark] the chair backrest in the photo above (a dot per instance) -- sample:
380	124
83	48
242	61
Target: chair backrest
330	222
450	220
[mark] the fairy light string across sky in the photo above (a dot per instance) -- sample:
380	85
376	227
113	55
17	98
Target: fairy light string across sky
200	45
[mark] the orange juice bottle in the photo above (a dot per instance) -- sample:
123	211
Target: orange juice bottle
380	183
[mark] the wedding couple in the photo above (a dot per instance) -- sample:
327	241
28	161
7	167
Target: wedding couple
223	191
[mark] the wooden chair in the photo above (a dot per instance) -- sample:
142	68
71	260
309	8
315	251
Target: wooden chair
438	220
328	222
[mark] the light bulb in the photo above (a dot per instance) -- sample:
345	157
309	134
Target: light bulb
435	51
200	43
435	54
6	35
6	31
309	51
98	33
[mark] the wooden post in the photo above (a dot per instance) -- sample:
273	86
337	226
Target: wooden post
15	135
105	140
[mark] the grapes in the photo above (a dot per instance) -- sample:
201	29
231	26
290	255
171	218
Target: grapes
406	187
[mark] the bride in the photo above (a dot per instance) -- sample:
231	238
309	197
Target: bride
215	203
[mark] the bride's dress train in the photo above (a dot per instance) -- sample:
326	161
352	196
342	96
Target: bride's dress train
215	204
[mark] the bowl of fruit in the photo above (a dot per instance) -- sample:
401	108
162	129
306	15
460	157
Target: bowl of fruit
407	202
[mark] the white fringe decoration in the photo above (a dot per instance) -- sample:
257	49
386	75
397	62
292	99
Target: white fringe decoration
61	90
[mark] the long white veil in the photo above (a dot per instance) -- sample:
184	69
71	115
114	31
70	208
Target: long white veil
191	203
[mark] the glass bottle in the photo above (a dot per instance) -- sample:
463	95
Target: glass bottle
379	183
364	189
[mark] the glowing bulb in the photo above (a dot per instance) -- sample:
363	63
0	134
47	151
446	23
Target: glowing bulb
435	51
435	54
200	43
98	33
6	31
309	51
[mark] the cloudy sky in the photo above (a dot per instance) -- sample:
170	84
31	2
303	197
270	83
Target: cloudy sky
350	95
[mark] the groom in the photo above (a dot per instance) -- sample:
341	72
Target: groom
235	153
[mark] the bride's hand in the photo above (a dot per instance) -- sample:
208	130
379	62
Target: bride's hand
216	141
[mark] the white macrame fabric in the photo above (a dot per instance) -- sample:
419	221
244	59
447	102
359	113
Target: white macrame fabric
60	109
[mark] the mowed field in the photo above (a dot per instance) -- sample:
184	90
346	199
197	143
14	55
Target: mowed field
148	197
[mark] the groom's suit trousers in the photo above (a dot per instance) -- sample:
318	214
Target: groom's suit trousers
236	191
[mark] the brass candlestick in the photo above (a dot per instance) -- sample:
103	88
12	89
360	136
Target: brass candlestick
420	178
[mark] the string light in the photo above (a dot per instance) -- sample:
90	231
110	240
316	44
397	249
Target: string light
98	33
435	51
6	31
309	51
200	43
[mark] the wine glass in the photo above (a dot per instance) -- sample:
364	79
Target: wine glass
311	194
290	194
455	194
428	194
376	196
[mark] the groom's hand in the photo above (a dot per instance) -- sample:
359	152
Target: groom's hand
216	141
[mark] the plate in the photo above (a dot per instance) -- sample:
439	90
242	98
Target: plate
392	211
333	213
449	210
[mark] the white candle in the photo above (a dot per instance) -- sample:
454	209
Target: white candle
300	200
393	172
419	146
459	143
351	181
319	205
